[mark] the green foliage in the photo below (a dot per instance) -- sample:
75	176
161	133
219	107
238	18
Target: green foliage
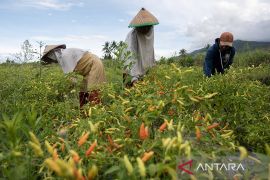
183	60
15	157
252	58
199	60
186	61
118	64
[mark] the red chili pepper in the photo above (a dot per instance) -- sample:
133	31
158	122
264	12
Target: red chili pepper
91	148
143	132
163	126
212	126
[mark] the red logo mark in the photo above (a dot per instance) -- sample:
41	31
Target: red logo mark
181	166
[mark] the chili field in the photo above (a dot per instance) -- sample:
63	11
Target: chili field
136	133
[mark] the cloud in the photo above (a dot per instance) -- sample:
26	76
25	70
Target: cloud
51	4
8	47
121	20
7	51
198	23
91	43
188	24
164	52
249	20
42	38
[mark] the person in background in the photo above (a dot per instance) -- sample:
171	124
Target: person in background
219	56
140	42
82	62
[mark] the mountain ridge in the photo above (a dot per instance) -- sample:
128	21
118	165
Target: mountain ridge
240	46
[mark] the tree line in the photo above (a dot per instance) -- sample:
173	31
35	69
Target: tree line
30	52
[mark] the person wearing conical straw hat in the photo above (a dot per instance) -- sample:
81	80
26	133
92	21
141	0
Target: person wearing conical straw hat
82	62
140	42
219	57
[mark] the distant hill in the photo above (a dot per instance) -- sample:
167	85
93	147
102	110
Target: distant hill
240	46
250	45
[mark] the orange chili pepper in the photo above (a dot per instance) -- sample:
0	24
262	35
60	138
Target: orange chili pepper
143	132
146	132
91	148
83	139
212	126
198	133
55	155
78	175
147	156
113	144
110	140
163	126
76	158
63	147
161	92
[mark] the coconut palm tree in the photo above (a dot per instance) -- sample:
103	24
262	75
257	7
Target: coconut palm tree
107	50
183	52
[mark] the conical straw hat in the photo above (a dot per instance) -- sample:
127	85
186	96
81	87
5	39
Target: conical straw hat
143	18
49	48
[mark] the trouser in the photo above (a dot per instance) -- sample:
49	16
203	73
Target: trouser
92	70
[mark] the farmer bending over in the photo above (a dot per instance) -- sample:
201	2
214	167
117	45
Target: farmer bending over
140	41
84	63
219	56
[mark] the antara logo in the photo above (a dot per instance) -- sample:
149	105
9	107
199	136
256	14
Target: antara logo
220	167
211	167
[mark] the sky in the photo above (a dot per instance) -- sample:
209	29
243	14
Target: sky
88	24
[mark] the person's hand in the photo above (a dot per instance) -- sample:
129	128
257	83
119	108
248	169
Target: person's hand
73	81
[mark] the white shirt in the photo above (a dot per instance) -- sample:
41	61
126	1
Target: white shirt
67	58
